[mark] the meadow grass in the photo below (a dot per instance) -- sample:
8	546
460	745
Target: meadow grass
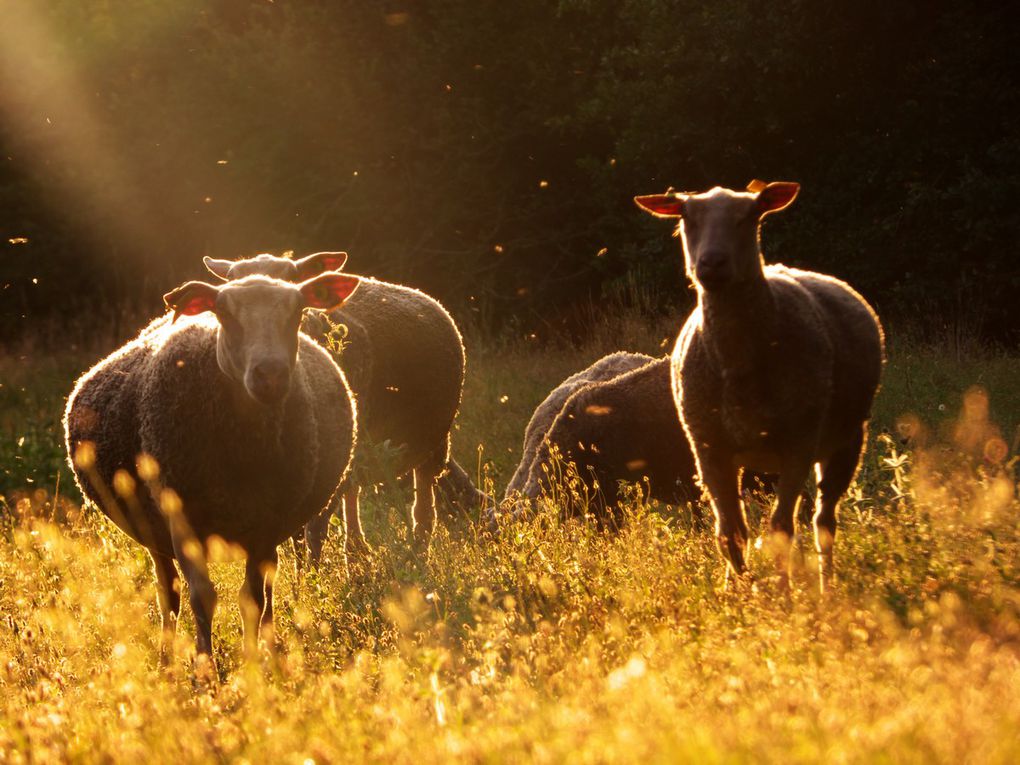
554	642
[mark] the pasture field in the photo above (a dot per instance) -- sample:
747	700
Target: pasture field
556	642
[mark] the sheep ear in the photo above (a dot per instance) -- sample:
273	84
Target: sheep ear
329	290
776	196
191	298
220	268
319	262
662	205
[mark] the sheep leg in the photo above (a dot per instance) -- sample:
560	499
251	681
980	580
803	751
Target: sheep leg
423	514
316	531
168	595
201	593
460	497
300	554
269	570
257	597
354	538
792	477
834	477
309	543
721	480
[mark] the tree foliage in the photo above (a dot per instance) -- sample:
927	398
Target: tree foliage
487	151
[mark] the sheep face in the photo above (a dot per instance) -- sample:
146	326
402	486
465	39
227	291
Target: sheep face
719	230
258	320
278	268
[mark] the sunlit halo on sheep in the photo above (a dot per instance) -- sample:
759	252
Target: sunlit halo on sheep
340	479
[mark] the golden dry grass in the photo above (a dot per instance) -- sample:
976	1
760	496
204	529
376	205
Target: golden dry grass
554	643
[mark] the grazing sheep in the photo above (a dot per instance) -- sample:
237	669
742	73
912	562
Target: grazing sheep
541	420
460	497
237	425
404	360
617	422
774	371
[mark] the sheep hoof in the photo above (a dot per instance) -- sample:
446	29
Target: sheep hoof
420	546
739	581
782	582
826	577
357	549
166	654
269	640
490	522
204	675
358	565
166	646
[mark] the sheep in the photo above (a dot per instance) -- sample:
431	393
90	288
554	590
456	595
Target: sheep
404	360
616	423
775	370
460	498
237	425
542	419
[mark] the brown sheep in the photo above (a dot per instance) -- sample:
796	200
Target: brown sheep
622	428
545	413
774	371
241	426
404	359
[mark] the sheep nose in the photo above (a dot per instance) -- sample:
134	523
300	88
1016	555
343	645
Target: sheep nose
269	381
712	270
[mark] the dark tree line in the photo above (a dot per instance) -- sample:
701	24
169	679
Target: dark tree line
488	151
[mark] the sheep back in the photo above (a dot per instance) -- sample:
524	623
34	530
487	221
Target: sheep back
804	380
246	473
103	409
404	360
623	429
858	344
545	413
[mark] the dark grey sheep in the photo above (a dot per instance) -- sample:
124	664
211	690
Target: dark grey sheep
404	359
457	496
541	420
622	428
235	425
774	371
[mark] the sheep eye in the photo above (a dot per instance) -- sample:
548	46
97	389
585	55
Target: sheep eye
228	321
293	320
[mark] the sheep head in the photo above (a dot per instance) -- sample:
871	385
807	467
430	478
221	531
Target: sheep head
720	229
277	267
258	319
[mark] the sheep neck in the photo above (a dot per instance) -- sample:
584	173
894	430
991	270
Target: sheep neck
739	326
264	423
266	420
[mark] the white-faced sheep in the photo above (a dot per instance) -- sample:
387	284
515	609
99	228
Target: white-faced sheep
616	422
774	371
245	426
404	360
